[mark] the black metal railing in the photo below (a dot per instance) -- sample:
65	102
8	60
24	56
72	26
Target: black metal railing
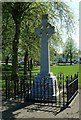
19	88
26	88
72	87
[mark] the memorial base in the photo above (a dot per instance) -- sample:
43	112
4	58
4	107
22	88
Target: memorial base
44	87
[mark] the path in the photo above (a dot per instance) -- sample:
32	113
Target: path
71	112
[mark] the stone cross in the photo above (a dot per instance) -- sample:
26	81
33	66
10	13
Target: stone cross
44	32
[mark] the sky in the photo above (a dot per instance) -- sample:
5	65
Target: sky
74	5
80	27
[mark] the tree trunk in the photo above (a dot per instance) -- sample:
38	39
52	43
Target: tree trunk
6	60
28	65
66	58
70	57
31	64
25	62
15	52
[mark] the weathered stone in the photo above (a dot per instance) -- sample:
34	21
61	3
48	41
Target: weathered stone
45	84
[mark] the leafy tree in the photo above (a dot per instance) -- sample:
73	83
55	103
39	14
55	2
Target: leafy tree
31	42
8	34
29	14
17	10
69	49
61	16
55	41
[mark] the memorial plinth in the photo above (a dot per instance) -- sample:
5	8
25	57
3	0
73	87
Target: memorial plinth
45	84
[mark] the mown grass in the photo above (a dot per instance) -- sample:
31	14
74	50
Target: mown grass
66	70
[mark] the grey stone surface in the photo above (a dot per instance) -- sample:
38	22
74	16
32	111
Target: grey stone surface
71	112
44	32
44	87
44	82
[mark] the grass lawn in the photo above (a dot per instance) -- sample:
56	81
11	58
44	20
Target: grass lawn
66	70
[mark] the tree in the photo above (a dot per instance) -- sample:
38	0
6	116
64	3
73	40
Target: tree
55	43
17	10
31	43
69	49
32	12
8	34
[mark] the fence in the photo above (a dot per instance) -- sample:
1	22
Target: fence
16	89
72	87
21	89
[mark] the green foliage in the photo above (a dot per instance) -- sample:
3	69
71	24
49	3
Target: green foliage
70	50
66	70
19	22
7	31
61	17
31	16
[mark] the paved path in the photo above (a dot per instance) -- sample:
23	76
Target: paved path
71	112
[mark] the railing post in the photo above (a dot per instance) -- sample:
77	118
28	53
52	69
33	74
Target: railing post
75	76
37	89
67	89
71	77
55	95
59	90
72	85
77	80
44	88
6	86
14	89
63	93
30	80
24	88
17	85
21	88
